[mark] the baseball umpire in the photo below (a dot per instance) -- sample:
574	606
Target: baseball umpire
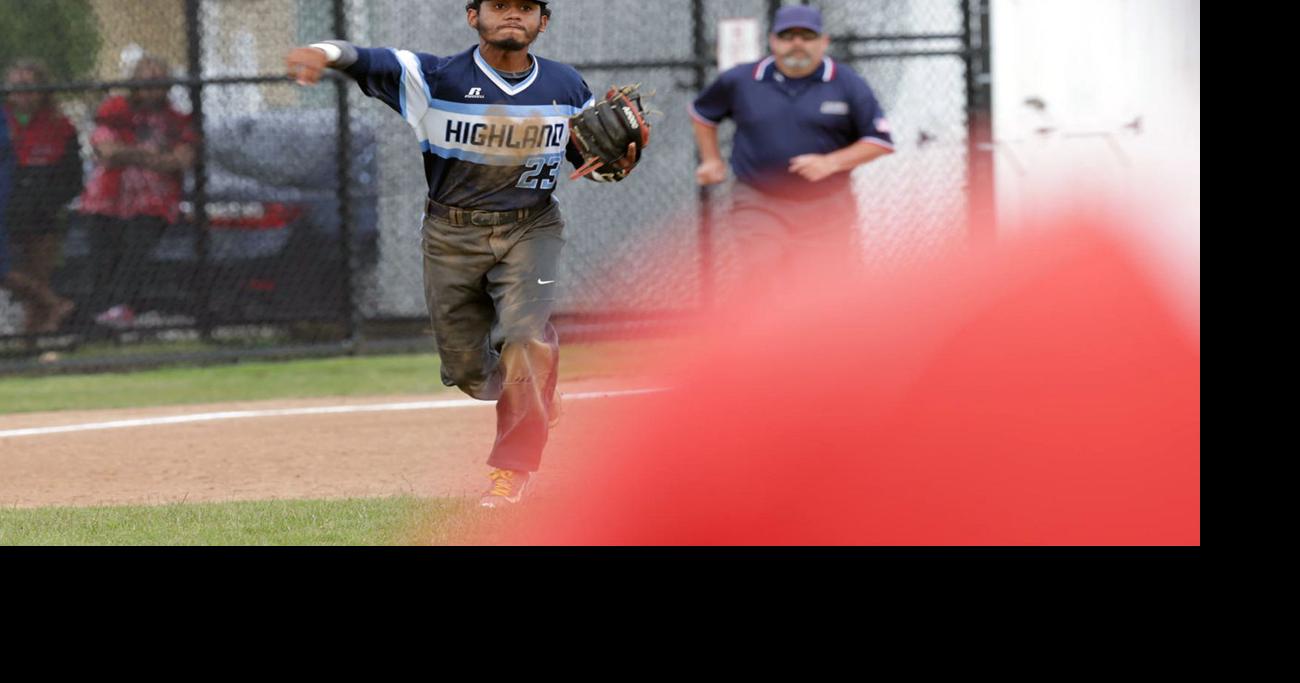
803	122
494	123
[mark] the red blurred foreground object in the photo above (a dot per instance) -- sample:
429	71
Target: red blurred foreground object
1042	394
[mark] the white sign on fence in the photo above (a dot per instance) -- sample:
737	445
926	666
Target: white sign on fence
739	41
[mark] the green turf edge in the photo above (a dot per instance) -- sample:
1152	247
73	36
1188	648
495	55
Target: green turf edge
352	376
402	520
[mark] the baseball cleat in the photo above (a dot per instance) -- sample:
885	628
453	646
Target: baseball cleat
507	488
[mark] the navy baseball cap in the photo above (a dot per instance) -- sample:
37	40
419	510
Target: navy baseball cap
797	16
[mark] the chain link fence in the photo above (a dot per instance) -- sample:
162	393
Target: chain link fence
270	218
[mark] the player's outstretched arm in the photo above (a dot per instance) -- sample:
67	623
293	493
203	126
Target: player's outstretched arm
307	64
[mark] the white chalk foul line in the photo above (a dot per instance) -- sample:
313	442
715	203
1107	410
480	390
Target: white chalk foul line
292	412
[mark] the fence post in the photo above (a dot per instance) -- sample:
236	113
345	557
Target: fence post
979	121
351	311
203	275
701	45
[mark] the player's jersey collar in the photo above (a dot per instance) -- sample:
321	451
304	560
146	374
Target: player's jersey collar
766	70
502	83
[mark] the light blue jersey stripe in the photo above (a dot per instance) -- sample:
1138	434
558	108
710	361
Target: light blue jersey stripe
401	85
413	90
512	110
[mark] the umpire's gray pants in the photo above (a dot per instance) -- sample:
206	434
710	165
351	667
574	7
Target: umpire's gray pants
775	234
490	290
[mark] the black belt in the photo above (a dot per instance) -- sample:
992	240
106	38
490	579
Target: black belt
457	216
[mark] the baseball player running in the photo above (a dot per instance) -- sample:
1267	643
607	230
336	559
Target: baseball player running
493	123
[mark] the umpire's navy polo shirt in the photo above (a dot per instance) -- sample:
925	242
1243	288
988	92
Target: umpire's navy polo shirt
779	118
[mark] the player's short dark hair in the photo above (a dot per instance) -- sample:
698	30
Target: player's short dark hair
476	4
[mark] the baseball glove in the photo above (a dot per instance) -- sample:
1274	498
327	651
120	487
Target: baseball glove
604	132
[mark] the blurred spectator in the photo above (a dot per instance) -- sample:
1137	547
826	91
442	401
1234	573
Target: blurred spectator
142	146
48	175
39	299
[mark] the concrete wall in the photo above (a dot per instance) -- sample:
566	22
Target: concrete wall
1101	99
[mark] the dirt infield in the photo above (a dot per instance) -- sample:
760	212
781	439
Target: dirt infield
370	454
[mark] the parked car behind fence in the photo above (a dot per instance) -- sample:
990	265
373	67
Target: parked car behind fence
274	223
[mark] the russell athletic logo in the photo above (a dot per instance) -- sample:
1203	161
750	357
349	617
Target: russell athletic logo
474	94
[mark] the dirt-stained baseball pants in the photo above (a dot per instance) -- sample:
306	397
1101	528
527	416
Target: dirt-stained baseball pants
490	290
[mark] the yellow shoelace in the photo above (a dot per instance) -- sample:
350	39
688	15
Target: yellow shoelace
501	482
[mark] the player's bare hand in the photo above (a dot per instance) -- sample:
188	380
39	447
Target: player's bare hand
813	167
711	172
306	64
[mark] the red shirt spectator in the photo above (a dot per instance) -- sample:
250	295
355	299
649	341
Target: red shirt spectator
49	165
43	140
122	189
46	176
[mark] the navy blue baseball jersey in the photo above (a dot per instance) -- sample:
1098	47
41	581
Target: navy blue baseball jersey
489	143
779	118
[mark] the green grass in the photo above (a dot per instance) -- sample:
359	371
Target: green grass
357	376
381	521
385	521
377	375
